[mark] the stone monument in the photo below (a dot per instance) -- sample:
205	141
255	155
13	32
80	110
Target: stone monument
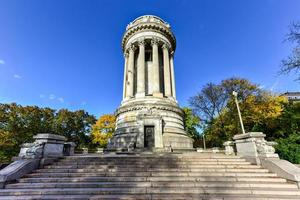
149	117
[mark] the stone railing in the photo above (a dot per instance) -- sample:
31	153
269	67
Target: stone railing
44	150
254	148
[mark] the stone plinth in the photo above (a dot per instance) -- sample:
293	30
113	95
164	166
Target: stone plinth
43	151
53	144
45	146
254	147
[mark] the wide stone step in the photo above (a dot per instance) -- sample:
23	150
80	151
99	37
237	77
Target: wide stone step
141	190
149	184
155	165
148	170
139	160
149	167
151	197
149	157
155	162
214	178
156	179
153	174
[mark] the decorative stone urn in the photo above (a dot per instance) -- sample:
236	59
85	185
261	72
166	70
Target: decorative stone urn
99	150
85	150
229	150
149	117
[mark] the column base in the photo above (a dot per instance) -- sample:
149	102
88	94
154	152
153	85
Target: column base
141	94
158	94
172	98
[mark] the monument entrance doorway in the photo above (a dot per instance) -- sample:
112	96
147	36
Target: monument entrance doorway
149	136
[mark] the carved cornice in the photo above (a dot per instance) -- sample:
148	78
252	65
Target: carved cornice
149	26
139	107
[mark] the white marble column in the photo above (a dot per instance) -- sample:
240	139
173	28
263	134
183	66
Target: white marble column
155	66
130	71
125	74
173	75
167	77
141	70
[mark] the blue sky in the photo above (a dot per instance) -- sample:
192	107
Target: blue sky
67	54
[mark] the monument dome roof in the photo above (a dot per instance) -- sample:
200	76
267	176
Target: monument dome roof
147	19
149	23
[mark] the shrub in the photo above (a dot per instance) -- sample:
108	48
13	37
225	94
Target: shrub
289	148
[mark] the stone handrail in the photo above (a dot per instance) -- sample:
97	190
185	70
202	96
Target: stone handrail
44	150
255	149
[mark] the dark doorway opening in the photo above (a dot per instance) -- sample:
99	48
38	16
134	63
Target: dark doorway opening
149	136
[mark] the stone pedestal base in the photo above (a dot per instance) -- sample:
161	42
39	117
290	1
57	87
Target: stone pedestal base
45	145
150	123
253	147
53	144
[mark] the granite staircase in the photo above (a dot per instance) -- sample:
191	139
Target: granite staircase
152	176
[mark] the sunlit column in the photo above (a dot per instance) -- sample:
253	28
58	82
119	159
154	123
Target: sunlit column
130	71
167	77
155	67
125	74
172	74
141	70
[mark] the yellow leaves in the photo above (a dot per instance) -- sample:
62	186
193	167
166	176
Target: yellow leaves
106	122
103	129
263	107
6	139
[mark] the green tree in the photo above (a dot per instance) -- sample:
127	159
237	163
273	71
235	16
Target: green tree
191	123
289	148
289	121
75	126
18	124
215	107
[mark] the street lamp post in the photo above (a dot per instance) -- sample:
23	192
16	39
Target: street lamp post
234	93
204	145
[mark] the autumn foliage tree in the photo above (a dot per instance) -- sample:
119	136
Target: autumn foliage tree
103	129
259	109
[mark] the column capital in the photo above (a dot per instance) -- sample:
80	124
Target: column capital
141	42
132	47
154	41
172	53
125	55
165	46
